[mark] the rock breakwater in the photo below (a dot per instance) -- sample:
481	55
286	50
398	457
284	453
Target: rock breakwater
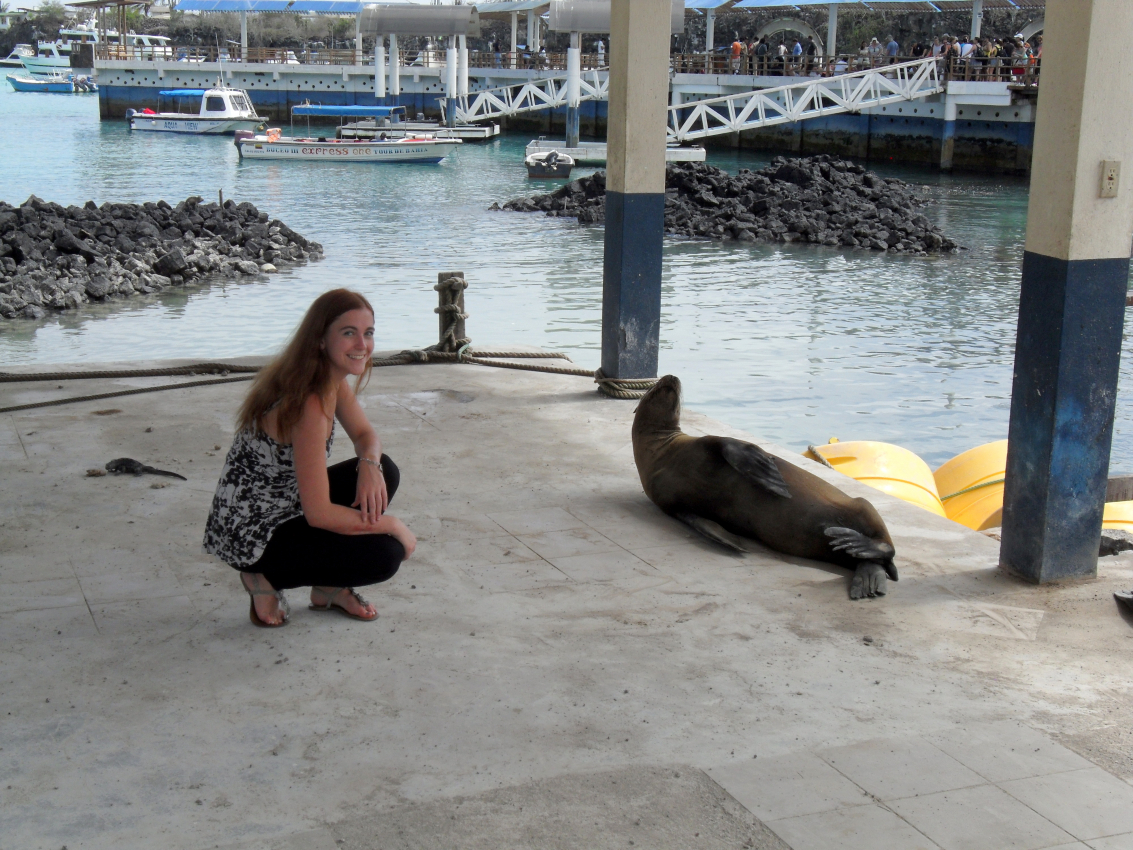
58	258
818	199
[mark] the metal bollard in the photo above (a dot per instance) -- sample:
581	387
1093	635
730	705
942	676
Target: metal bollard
450	310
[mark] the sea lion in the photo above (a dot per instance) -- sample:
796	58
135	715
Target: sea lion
709	481
129	466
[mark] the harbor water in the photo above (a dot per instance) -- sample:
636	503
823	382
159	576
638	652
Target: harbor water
795	344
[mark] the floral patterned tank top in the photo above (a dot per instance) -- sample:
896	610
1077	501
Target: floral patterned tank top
257	492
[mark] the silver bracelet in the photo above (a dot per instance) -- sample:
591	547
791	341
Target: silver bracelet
372	462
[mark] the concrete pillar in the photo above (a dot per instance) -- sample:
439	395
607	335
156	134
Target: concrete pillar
635	187
380	66
1072	301
450	82
977	17
709	30
948	134
358	39
832	30
514	35
243	35
394	68
462	66
574	88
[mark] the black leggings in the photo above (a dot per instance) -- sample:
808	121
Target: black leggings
298	555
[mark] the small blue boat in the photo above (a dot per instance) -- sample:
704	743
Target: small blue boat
57	84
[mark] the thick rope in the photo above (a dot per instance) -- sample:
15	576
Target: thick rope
192	369
814	455
970	489
615	388
120	393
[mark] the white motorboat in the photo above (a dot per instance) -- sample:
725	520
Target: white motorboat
55	56
273	145
220	111
15	59
549	164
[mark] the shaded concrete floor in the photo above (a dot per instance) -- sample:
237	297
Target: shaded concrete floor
559	665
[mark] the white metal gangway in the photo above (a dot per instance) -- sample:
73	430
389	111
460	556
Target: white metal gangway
543	93
809	98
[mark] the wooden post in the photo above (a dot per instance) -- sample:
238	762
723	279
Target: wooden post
450	310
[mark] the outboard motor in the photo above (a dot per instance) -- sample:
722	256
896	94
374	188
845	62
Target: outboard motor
130	113
243	134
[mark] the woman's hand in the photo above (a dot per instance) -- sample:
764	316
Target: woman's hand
371	497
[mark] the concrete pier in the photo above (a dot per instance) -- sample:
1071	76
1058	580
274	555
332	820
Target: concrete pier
992	129
560	665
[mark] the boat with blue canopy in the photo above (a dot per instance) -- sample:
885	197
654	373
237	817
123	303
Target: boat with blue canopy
384	147
220	111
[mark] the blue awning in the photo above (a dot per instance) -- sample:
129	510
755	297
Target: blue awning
182	93
352	111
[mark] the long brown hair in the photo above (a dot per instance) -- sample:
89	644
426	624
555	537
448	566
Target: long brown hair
302	368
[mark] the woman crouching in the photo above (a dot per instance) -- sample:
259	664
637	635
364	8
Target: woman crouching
280	515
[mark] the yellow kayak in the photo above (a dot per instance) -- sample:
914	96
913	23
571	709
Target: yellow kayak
887	467
1118	515
971	486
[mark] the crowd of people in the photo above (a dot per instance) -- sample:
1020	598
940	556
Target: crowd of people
987	58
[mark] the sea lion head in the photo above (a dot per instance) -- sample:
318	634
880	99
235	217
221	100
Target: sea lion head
659	409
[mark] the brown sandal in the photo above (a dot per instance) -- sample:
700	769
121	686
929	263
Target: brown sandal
332	605
254	617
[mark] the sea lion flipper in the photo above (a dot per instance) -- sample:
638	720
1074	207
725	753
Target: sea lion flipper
711	530
869	580
755	464
857	545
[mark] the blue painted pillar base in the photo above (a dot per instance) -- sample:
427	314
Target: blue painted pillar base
631	284
947	145
1067	355
572	123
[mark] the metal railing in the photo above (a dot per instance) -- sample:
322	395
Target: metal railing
309	56
544	93
808	98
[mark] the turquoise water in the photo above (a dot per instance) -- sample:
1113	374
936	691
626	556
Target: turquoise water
795	344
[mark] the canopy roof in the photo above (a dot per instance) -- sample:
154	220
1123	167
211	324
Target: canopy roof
352	111
498	7
294	7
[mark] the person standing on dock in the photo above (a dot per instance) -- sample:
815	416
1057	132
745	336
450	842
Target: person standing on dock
279	515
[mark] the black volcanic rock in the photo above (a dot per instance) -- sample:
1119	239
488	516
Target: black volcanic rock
57	258
818	199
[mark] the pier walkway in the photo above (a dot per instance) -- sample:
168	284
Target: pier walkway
559	666
798	100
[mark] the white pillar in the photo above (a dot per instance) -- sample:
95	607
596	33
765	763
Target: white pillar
450	68
514	35
977	17
380	66
243	35
531	30
832	31
709	30
462	65
358	39
574	70
394	66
